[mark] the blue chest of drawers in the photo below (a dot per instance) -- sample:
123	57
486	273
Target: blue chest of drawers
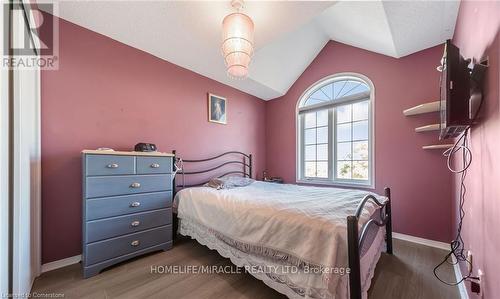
127	206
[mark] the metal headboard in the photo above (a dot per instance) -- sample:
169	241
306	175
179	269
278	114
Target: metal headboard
245	160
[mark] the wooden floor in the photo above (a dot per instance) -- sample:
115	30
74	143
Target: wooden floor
406	275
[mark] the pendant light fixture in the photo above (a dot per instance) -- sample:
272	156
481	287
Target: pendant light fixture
237	41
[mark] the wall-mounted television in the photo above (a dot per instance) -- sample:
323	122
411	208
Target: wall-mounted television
455	92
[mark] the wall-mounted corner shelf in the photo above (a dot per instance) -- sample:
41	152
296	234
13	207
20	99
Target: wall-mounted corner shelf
422	108
427	128
437	146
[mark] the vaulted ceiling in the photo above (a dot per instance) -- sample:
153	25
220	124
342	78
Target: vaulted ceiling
288	34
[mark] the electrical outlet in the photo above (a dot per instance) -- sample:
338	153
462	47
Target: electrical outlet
477	284
480	274
469	258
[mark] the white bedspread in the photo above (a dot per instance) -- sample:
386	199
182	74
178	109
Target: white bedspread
302	225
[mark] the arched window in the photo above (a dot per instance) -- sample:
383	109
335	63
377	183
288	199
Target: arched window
335	132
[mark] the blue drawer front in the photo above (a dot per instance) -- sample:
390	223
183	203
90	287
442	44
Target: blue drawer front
121	205
94	269
110	165
122	185
111	248
107	228
150	165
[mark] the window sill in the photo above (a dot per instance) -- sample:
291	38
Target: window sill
335	184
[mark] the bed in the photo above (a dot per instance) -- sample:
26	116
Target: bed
304	242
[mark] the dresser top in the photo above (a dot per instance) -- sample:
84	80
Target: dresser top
154	154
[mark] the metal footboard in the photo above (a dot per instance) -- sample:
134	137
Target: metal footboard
355	240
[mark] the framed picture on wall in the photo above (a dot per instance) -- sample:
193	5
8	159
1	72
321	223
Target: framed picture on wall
217	109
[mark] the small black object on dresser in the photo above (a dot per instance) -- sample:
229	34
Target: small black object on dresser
127	206
145	147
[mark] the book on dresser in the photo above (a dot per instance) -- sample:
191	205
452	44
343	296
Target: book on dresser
127	206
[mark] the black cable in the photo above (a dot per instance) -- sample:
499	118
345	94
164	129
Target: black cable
457	246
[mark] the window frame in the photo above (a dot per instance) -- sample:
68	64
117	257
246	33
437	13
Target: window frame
332	128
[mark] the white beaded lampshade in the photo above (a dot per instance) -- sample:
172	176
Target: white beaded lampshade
237	43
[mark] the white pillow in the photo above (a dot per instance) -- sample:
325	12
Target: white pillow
229	182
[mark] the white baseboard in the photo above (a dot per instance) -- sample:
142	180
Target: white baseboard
441	245
61	263
431	243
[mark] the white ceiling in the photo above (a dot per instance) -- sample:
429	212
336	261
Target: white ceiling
288	34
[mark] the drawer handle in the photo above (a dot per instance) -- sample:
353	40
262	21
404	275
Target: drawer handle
155	165
112	165
135	223
135	185
135	243
135	204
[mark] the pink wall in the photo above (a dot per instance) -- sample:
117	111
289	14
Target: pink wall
420	182
106	94
477	35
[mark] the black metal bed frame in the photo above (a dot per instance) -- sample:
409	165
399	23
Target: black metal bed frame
244	159
355	241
